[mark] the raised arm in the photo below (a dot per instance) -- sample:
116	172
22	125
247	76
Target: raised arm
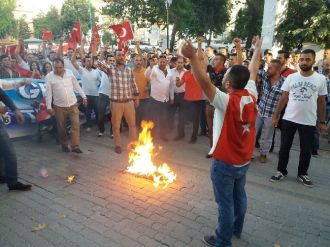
60	48
255	61
74	60
238	46
199	70
17	50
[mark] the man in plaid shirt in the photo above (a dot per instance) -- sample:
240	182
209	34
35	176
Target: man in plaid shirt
123	97
270	95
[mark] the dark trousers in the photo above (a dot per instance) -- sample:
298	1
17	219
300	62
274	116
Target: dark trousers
141	112
195	109
7	156
103	103
203	122
179	104
92	105
306	136
159	117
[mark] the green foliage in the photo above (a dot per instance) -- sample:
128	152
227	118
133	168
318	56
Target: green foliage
249	20
23	30
188	17
306	20
51	21
8	23
72	11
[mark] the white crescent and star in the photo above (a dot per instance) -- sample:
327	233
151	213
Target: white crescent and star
245	100
123	32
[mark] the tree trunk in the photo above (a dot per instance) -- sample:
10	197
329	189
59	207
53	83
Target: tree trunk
209	39
172	41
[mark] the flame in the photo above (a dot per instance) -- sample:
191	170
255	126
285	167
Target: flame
70	179
140	159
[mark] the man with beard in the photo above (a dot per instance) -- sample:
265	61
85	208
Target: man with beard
304	92
271	91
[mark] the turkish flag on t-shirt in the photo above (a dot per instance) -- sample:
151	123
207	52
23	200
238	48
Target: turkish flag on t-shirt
123	31
47	35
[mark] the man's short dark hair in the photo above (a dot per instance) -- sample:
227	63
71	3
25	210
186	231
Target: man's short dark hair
59	60
3	57
238	76
268	52
70	49
277	62
285	53
309	51
174	60
116	51
221	56
297	52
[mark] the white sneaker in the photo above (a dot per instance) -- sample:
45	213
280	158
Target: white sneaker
88	129
100	134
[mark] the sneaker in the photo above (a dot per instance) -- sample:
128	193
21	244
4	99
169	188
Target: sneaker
65	149
208	156
277	177
118	150
315	154
100	134
77	150
263	158
304	179
88	129
209	241
20	186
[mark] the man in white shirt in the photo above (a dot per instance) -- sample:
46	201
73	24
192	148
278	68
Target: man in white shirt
160	96
104	102
60	87
177	93
304	92
90	81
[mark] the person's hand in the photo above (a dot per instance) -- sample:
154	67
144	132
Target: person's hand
3	109
258	42
200	40
19	116
323	128
51	112
237	42
84	102
136	103
188	49
275	121
25	83
61	40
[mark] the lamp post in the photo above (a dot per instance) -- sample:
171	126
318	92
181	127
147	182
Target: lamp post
167	4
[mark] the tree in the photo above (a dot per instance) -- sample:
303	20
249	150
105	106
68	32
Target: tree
73	11
305	20
194	18
23	30
249	20
8	23
51	21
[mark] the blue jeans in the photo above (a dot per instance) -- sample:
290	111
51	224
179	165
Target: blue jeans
264	125
8	156
228	185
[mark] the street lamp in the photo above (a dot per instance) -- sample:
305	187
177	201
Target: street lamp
167	4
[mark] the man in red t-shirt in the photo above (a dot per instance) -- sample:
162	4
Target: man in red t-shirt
234	137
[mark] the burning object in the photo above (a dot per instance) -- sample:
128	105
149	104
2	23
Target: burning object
140	159
70	179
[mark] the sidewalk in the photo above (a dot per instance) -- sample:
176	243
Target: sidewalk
107	207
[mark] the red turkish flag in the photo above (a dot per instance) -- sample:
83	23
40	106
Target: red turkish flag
21	71
10	50
123	31
47	35
95	39
75	36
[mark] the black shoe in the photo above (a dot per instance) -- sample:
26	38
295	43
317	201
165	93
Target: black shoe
208	156
304	179
277	177
20	186
209	241
118	150
77	150
179	137
315	153
3	180
65	149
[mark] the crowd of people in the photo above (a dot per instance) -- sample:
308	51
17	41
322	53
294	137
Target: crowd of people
237	97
